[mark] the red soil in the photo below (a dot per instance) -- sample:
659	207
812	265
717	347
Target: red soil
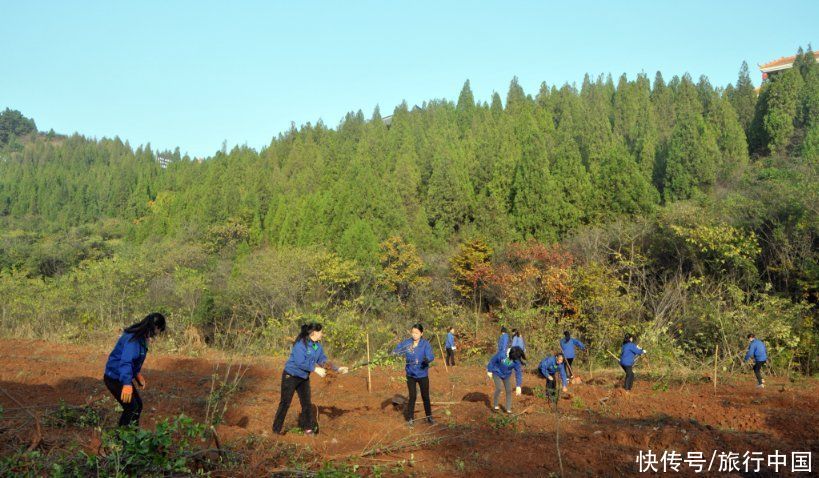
601	428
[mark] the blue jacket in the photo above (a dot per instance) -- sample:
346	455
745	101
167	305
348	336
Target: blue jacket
304	357
415	357
502	366
517	341
125	361
503	342
568	346
757	350
450	340
549	366
629	353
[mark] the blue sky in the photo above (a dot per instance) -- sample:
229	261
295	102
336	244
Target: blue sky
195	74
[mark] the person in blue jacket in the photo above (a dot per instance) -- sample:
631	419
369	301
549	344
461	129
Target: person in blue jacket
567	344
449	345
124	366
306	356
503	340
517	340
628	354
417	352
500	369
757	350
548	368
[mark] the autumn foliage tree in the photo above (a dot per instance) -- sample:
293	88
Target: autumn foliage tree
402	268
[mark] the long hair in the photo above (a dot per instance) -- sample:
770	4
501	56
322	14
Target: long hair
306	330
517	354
151	325
515	333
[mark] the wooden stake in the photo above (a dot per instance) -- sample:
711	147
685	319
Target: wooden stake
442	352
590	364
716	354
369	376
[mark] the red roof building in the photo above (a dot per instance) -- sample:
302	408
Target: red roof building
784	63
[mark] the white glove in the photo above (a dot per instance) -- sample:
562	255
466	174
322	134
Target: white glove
453	347
645	351
517	391
550	378
343	370
320	371
489	374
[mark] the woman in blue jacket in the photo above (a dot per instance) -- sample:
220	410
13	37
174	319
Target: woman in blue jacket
567	344
628	354
417	352
503	340
547	369
517	340
306	356
500	369
124	366
449	345
757	350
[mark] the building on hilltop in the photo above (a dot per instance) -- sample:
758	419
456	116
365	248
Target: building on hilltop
775	67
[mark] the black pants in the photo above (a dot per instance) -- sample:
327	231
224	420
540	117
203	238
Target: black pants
130	411
551	386
450	357
629	376
291	384
758	371
424	384
568	367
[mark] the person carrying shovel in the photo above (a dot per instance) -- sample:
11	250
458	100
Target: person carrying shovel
417	352
568	344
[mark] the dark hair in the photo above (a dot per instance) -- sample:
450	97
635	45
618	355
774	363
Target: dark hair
560	354
628	338
515	333
751	336
451	328
503	329
567	334
516	353
151	325
418	326
306	329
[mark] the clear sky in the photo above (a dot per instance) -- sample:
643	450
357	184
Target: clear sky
196	73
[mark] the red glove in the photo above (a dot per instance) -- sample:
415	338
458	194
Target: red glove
127	391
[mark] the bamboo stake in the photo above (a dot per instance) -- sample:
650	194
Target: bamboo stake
716	354
369	375
590	364
438	337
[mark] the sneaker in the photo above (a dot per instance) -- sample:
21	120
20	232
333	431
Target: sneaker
497	408
761	385
430	421
509	411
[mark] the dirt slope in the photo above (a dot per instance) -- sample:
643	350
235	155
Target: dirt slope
601	428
